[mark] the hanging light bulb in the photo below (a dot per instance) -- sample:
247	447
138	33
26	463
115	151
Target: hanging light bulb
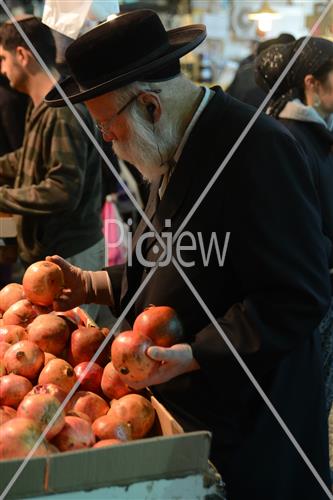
265	24
264	16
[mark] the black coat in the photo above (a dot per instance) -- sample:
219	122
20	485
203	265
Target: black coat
317	143
269	296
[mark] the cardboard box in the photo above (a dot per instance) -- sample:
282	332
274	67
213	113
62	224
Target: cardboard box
175	454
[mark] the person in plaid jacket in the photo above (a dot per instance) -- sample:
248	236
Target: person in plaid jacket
53	182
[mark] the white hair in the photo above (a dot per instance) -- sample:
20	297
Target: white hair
169	89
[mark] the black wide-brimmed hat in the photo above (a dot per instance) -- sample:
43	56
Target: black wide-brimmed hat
132	47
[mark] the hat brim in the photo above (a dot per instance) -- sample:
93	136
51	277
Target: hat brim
182	40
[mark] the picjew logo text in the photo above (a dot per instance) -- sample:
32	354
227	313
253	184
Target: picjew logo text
203	248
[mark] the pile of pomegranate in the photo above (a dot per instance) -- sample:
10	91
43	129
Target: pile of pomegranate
43	354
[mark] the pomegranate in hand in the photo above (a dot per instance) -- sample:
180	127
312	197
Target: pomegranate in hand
43	282
128	354
161	324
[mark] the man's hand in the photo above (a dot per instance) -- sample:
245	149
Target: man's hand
175	361
75	291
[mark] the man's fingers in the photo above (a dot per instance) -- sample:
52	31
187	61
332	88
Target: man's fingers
161	353
56	259
178	353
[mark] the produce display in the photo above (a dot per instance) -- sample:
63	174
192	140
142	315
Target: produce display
44	354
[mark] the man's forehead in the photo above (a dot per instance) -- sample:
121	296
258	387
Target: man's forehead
108	99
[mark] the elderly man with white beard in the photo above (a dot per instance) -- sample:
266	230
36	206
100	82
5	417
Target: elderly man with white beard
267	295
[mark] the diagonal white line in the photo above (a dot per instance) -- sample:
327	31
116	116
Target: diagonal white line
252	121
77	384
252	379
81	121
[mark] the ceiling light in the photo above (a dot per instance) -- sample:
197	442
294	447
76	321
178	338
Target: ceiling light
265	12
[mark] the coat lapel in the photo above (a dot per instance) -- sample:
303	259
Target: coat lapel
173	198
149	211
142	226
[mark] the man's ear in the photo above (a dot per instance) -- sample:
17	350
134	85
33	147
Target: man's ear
309	82
23	55
152	104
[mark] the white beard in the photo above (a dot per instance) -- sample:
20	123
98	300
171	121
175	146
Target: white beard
141	149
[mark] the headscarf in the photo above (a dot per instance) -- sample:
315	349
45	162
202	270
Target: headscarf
272	61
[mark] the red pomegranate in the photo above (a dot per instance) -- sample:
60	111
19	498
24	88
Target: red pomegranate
12	333
76	434
109	427
24	358
128	354
58	372
72	317
22	313
6	413
89	403
161	324
4	346
50	332
17	438
112	384
49	389
136	411
42	408
11	293
43	282
13	388
91	381
84	343
79	414
107	442
48	357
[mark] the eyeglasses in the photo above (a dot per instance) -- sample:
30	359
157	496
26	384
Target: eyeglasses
105	125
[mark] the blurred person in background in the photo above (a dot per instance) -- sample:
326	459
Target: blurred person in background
13	106
53	182
304	104
244	86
